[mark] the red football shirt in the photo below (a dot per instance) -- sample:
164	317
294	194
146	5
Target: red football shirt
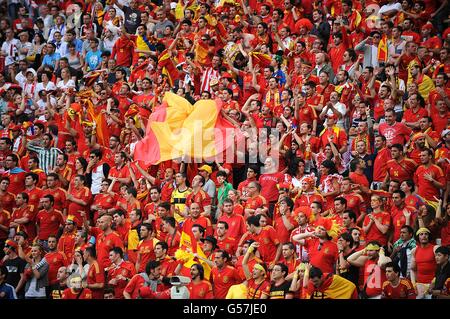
379	165
402	170
374	234
404	290
269	182
104	244
96	275
223	279
49	223
395	134
236	225
322	255
425	188
201	290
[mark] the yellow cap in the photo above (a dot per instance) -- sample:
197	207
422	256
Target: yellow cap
422	230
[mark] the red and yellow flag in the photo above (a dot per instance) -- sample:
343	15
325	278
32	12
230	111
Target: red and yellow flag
101	127
333	287
188	247
177	128
168	66
201	52
383	49
262	59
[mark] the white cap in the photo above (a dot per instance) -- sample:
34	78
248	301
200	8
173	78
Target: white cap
445	132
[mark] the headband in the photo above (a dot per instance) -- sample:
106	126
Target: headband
372	247
259	267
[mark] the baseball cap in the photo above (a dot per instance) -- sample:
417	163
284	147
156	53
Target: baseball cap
12	244
227	75
206	168
445	132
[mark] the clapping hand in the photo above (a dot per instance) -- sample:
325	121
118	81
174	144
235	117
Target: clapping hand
428	177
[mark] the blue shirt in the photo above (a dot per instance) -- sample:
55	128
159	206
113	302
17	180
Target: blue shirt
51	59
9	291
78	45
93	59
280	76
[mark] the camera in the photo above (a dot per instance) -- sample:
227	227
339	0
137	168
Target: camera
179	280
179	289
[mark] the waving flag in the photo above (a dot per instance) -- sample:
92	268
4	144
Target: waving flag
168	66
188	247
201	52
178	128
262	59
383	49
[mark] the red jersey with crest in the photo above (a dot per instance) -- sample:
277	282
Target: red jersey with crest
66	244
402	170
201	197
96	275
127	270
104	243
55	260
68	293
404	290
223	279
236	225
8	201
49	223
146	252
201	290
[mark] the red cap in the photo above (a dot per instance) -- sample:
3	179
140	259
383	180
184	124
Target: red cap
332	116
227	75
428	26
284	185
12	244
40	122
15	128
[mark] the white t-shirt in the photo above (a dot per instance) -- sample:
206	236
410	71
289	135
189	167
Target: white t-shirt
64	86
10	48
33	292
341	108
40	86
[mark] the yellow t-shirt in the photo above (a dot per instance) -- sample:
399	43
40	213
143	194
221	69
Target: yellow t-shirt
178	199
237	292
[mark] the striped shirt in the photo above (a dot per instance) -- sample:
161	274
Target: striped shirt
208	75
47	156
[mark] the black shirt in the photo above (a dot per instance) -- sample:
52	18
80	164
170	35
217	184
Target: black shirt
281	291
15	268
132	19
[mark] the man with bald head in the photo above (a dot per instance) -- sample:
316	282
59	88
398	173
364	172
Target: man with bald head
58	289
106	238
322	65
